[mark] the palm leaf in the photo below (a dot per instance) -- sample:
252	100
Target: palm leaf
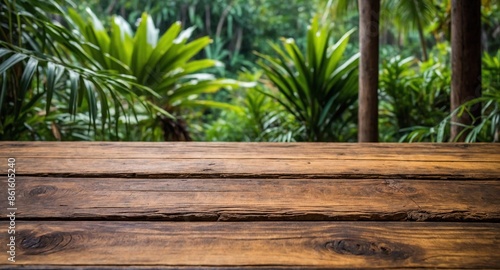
26	80
165	43
11	61
145	40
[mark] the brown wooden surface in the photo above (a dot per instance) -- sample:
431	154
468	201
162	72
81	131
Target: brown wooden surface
256	199
429	152
426	161
308	244
255	168
113	205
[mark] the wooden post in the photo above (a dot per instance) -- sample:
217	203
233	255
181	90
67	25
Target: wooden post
465	61
369	13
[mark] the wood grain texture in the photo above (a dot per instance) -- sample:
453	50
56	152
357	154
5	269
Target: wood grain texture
214	150
207	160
255	199
108	205
300	244
254	168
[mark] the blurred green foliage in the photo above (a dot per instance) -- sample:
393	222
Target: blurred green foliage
237	27
50	85
162	63
65	78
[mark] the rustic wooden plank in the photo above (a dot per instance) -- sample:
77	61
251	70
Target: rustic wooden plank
255	199
302	244
313	160
253	168
333	151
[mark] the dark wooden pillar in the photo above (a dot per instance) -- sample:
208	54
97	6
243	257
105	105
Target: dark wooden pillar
369	13
465	60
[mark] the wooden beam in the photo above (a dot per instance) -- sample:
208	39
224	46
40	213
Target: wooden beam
236	160
255	199
435	152
256	244
369	13
255	168
101	205
465	61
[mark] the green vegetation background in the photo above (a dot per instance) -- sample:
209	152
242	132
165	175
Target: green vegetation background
231	70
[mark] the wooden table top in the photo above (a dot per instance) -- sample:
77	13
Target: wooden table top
242	205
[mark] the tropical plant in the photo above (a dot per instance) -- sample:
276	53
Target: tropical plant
395	94
238	27
412	98
485	128
43	63
411	15
404	16
163	63
258	119
316	88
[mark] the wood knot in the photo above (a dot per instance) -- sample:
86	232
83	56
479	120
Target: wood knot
367	248
32	244
42	191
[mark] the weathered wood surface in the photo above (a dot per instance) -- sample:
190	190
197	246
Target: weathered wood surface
255	168
256	199
107	205
213	150
306	244
205	160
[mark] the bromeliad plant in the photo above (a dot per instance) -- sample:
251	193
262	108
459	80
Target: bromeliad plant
162	63
317	87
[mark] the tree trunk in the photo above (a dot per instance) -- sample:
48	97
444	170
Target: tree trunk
369	13
466	62
422	41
